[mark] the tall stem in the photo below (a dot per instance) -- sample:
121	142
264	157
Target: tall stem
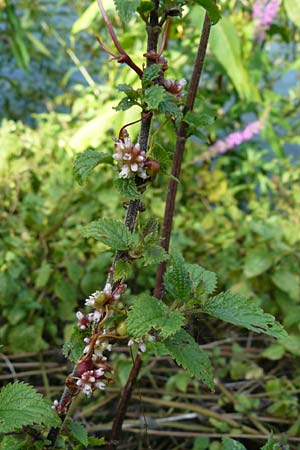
167	225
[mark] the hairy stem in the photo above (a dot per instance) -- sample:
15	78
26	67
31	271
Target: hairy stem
167	226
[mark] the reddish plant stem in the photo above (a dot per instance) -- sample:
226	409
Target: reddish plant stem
167	226
178	155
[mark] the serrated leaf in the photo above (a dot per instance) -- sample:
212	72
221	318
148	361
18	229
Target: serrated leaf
150	73
154	254
147	312
125	104
127	188
163	157
21	405
198	274
79	432
128	90
110	232
126	8
153	96
187	353
211	9
231	444
73	350
97	442
11	443
87	161
170	107
238	310
123	270
177	280
196	120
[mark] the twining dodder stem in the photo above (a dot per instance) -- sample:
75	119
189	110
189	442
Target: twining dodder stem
167	224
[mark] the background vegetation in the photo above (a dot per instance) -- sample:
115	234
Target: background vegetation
238	213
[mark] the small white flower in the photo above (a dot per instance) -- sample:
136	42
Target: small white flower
100	385
99	372
125	172
134	167
142	347
127	157
107	289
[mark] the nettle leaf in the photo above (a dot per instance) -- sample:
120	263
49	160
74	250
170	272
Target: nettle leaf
73	349
153	96
123	270
211	9
177	280
87	161
241	311
126	8
110	232
125	104
127	188
150	73
79	432
187	353
154	254
21	405
198	274
163	157
170	107
231	444
196	120
147	312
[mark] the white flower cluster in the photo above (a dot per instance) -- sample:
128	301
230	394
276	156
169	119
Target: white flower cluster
99	348
90	380
140	342
130	158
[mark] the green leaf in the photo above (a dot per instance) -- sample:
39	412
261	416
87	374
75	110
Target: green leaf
177	280
150	73
170	107
241	311
40	47
231	444
123	270
147	312
196	120
126	8
110	232
43	275
288	282
257	262
73	350
272	445
79	432
153	95
97	442
11	443
86	19
211	9
292	8
21	405
125	104
127	188
163	157
87	161
198	274
225	44
154	254
187	353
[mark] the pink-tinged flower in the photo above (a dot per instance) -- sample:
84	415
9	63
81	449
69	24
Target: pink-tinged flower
174	87
264	13
130	158
90	380
237	138
59	409
84	321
